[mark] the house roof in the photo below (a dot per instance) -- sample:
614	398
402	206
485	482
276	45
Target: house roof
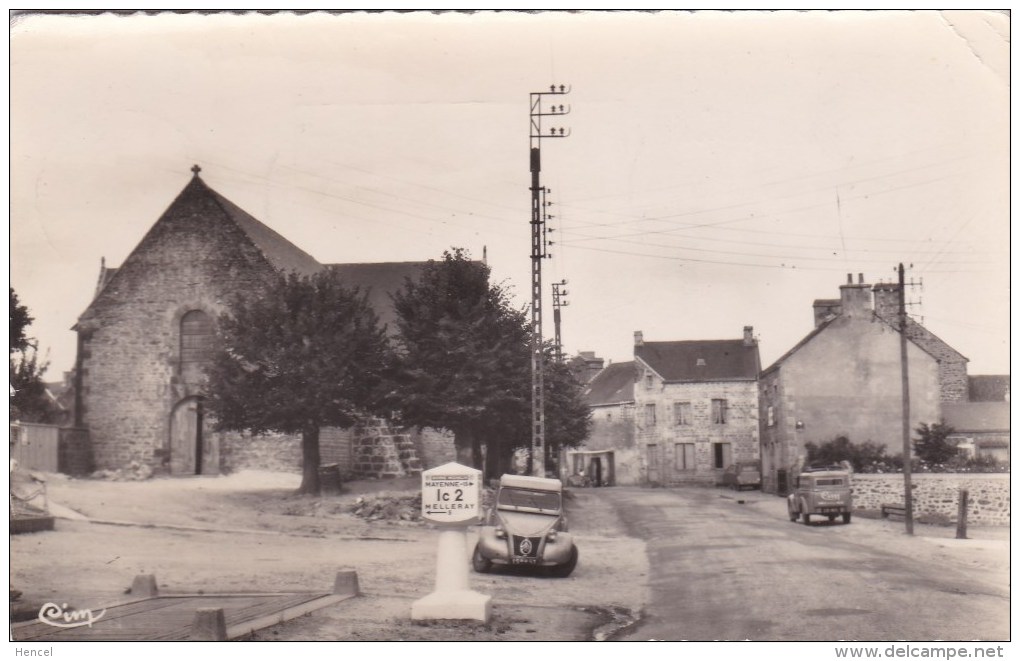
988	388
614	384
967	417
701	360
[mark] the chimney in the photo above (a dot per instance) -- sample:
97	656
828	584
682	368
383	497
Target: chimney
825	309
749	336
639	339
592	365
854	299
887	300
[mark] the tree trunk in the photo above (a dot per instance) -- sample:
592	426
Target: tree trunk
310	461
492	470
463	441
477	460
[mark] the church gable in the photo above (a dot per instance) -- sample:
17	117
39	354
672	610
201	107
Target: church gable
197	249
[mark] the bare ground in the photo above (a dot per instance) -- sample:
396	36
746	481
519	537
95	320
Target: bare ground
251	532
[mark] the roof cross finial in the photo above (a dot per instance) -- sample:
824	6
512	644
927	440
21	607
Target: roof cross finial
196	169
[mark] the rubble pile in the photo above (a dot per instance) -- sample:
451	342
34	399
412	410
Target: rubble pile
134	472
388	507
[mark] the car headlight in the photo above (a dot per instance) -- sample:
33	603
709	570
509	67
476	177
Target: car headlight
551	536
500	533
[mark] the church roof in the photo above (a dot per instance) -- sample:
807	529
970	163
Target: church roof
280	252
379	280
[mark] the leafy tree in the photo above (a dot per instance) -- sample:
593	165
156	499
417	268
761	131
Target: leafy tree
462	356
933	445
464	364
20	321
862	456
29	401
567	414
306	354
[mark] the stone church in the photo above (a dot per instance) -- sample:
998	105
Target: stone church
144	339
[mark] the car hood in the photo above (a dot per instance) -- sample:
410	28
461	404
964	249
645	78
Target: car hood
525	523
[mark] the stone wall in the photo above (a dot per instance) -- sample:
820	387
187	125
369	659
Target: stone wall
335	448
658	439
381	451
938	493
129	358
268	452
74	452
435	447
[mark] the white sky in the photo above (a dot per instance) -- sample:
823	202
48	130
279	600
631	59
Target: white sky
724	169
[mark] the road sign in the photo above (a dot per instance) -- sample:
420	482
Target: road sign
451	493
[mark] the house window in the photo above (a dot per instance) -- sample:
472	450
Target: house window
719	411
721	457
196	337
771	416
682	413
684	456
648	380
650	415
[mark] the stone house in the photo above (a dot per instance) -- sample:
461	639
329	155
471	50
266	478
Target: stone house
146	335
844	379
681	412
610	454
981	424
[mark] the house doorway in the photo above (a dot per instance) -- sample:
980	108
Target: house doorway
190	454
596	471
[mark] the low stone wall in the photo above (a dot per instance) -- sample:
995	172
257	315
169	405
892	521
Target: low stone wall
435	447
938	493
269	452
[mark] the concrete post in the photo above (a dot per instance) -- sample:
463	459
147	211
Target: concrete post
452	598
144	585
961	515
209	624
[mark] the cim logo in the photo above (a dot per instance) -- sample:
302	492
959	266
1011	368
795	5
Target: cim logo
59	616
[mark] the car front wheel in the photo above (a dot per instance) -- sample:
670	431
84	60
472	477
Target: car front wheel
564	570
479	562
792	512
806	518
846	517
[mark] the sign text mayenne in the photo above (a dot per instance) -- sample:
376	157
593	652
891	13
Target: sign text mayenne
451	494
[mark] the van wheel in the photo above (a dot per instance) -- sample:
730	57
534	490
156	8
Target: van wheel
564	570
479	562
846	517
792	512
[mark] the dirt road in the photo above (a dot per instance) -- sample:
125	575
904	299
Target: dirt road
250	532
730	566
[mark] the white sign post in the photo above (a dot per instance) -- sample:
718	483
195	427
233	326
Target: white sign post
451	497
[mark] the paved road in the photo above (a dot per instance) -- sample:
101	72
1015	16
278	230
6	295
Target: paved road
721	570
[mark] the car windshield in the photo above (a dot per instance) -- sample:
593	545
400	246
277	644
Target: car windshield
829	482
542	501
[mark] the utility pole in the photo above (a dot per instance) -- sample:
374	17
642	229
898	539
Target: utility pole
908	499
538	253
558	302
